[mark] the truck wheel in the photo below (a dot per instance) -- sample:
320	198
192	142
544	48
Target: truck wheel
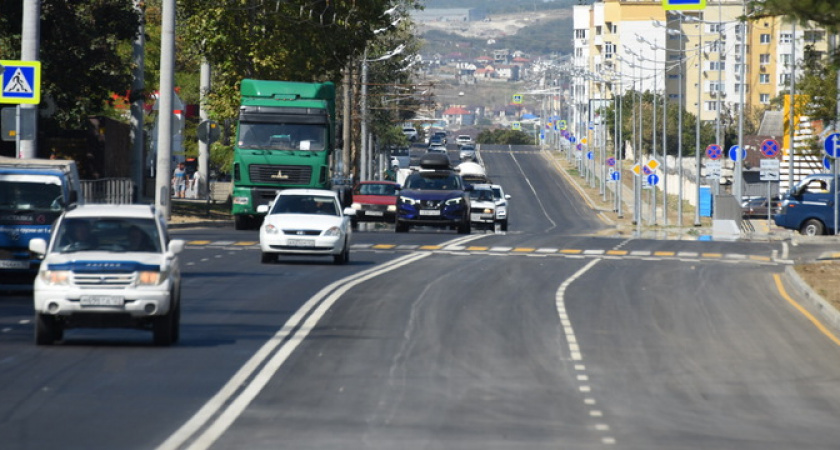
400	227
240	222
47	329
268	258
812	227
163	327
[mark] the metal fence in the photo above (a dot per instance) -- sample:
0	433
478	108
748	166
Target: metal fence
108	190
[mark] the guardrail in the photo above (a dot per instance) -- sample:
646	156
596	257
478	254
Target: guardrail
108	190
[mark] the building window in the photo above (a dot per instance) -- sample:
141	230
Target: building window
717	65
813	36
764	99
784	79
597	30
764	58
785	38
711	106
738	69
715	86
609	50
715	27
764	78
764	38
738	49
738	88
580	33
785	57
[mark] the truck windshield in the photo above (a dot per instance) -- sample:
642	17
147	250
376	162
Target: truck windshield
18	195
282	136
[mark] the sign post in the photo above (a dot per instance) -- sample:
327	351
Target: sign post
20	83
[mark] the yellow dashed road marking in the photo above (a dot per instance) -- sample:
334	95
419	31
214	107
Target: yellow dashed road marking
384	246
245	243
664	253
617	252
477	249
198	242
571	251
524	249
430	247
711	255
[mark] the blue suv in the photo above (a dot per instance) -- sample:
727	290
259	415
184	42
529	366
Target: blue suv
434	196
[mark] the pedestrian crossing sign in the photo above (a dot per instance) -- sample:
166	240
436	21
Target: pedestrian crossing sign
20	82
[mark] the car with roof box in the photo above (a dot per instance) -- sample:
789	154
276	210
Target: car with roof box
434	196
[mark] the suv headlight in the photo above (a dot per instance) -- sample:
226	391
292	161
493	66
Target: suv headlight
150	278
408	200
56	277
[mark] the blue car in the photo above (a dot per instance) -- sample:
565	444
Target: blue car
434	196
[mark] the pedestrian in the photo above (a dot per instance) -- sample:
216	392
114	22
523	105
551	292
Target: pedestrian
179	181
195	184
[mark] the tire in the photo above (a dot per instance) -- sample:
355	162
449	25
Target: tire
47	329
344	256
504	224
164	328
400	227
812	227
268	258
464	228
241	223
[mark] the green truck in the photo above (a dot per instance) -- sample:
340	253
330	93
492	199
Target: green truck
285	139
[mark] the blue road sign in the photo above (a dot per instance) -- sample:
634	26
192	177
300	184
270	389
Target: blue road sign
615	175
713	151
20	82
827	162
736	153
770	148
832	145
611	161
653	179
572	139
590	155
647	170
683	5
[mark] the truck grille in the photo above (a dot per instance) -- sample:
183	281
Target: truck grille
103	280
285	175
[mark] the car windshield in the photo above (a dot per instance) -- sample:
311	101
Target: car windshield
306	204
376	189
497	193
481	195
433	181
27	196
282	136
124	234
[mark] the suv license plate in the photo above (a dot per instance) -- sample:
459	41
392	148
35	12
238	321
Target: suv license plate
101	300
429	212
301	243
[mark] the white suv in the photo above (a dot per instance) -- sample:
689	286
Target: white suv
108	266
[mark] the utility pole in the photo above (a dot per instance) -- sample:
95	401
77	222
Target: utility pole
29	51
138	85
167	85
203	145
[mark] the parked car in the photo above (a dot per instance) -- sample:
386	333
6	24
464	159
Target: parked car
375	201
108	266
502	209
757	206
306	222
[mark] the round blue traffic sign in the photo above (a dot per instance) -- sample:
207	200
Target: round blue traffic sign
572	139
611	161
713	151
590	155
832	145
653	179
615	176
827	162
736	153
770	148
647	170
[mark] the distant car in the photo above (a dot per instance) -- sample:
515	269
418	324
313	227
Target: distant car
306	222
501	206
375	201
436	148
410	133
757	206
436	140
108	266
482	205
463	139
467	152
440	134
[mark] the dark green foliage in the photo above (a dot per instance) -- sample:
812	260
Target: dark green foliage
504	136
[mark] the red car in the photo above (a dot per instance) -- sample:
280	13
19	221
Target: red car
375	201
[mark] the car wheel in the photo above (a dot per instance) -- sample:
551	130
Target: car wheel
812	227
163	327
400	227
176	322
268	258
504	224
47	329
464	228
344	256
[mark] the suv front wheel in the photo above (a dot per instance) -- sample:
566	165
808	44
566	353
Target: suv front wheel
166	328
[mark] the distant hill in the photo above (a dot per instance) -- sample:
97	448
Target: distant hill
502	6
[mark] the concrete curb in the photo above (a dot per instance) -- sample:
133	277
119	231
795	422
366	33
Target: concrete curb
825	309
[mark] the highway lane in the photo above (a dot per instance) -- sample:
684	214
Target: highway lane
455	349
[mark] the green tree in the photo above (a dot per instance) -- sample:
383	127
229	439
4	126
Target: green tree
504	136
85	53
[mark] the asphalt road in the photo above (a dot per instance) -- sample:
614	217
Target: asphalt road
547	336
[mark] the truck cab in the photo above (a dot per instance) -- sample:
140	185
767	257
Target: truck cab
809	206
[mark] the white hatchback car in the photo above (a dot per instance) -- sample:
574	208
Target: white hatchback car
108	266
306	222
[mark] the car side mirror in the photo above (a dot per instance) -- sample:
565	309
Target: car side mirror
507	196
38	246
175	246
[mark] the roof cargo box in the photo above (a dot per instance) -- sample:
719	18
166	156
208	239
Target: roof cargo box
435	161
